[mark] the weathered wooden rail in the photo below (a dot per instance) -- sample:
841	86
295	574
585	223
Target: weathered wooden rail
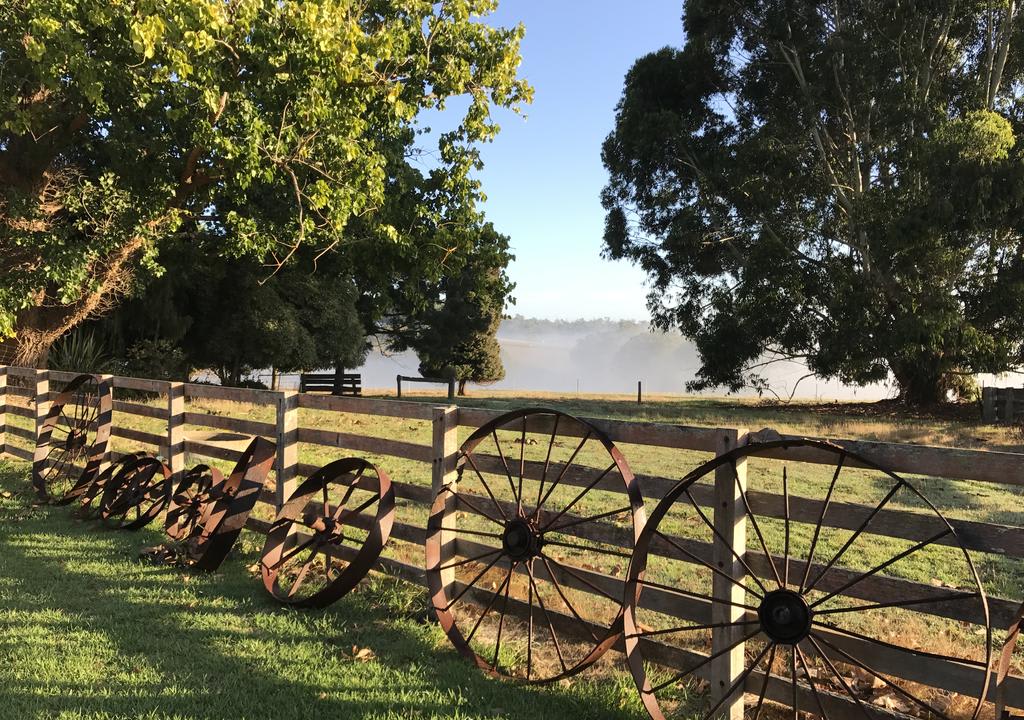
25	394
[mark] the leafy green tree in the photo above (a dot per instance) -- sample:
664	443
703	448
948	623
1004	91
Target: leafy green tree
838	183
454	336
227	315
271	125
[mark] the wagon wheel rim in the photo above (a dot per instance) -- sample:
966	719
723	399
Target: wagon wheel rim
789	611
188	500
73	439
225	512
527	528
140	494
341	518
90	499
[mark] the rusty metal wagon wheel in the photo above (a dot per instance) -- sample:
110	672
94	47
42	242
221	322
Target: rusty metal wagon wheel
329	534
137	494
526	552
228	505
73	438
820	636
189	499
89	496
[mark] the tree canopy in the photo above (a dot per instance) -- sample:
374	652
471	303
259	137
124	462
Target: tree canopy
838	183
267	126
455	336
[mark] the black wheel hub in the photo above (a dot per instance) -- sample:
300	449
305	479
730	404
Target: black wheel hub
520	540
785	617
75	440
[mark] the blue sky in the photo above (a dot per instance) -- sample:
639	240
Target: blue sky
543	175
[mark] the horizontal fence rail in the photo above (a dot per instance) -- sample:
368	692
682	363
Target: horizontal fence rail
181	421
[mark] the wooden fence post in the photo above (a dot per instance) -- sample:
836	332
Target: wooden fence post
398	379
730	521
445	453
639	392
988	404
176	428
3	410
451	388
1008	406
287	445
42	400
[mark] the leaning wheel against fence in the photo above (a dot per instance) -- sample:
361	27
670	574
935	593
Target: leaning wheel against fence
89	495
137	494
72	440
329	534
227	506
754	589
189	499
527	550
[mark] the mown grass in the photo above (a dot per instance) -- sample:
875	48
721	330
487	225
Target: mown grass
90	631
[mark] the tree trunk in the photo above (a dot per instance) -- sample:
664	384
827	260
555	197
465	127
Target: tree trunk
921	382
462	387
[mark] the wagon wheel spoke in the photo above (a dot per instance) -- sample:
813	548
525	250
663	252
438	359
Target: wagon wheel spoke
718	571
856	534
490	604
565	601
704	661
754	524
561	474
764	683
487	489
821	520
504	464
893	686
738	683
839	678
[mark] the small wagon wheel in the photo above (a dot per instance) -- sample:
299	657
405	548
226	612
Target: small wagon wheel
73	438
189	499
547	511
140	492
329	534
1003	665
89	496
811	623
228	506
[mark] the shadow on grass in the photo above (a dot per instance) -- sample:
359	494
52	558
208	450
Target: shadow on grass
90	632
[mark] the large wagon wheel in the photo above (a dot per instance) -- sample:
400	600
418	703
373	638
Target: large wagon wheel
137	494
189	499
817	625
228	506
89	496
73	438
547	511
329	534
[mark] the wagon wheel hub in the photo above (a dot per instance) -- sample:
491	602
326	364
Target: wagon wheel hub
324	527
785	617
521	540
76	439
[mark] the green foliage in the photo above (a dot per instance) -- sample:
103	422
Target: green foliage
269	125
455	336
80	352
157	359
798	185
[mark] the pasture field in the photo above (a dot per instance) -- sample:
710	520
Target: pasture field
605	691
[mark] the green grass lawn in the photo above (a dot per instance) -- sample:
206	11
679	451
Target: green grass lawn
90	631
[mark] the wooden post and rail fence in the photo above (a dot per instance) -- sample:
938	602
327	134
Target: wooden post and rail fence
177	408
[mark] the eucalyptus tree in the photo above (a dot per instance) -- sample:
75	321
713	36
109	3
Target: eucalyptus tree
833	182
